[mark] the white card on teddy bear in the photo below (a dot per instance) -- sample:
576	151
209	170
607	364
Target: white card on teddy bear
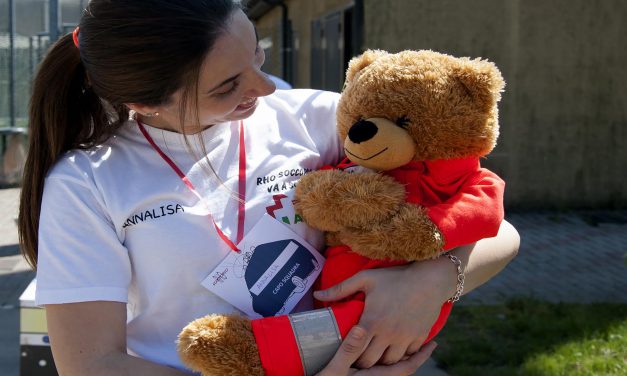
271	274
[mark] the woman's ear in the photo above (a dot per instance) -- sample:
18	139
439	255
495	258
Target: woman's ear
142	109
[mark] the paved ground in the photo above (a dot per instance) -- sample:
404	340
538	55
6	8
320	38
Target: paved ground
571	257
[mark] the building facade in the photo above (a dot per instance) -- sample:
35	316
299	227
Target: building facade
563	114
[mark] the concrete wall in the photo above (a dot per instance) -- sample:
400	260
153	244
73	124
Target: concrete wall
564	114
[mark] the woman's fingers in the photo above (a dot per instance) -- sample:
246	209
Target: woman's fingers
373	353
346	288
414	346
394	354
349	351
404	367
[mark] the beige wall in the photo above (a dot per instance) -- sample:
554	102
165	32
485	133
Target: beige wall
269	27
302	12
564	113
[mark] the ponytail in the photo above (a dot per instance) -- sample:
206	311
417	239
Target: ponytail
138	51
64	113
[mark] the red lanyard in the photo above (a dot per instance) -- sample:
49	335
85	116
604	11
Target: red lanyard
241	186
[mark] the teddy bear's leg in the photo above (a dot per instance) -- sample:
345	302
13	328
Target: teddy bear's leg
305	339
409	235
220	345
333	200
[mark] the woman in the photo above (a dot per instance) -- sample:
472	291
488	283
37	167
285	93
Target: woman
121	243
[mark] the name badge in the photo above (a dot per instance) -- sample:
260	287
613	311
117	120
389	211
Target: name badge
271	274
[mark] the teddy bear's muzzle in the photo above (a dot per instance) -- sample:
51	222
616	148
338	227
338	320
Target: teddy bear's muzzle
379	144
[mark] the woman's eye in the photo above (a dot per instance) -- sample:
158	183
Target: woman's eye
229	91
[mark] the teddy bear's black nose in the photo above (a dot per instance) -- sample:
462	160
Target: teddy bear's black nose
362	131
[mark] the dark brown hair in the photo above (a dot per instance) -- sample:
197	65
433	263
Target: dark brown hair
130	51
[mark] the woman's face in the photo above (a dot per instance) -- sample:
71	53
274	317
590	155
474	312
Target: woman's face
229	84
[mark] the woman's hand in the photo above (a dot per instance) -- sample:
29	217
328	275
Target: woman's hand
354	344
402	304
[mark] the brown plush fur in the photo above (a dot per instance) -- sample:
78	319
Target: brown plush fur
451	105
220	345
426	106
408	235
364	199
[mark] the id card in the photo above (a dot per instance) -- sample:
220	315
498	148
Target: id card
273	271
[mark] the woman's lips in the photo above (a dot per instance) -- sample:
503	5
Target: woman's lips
247	105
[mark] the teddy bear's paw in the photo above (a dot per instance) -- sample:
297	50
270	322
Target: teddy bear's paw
315	199
220	345
332	200
409	235
367	198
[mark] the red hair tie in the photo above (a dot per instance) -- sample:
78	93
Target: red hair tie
75	36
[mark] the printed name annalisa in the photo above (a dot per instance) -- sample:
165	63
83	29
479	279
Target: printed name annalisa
155	213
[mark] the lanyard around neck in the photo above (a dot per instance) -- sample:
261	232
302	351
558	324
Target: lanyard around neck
241	186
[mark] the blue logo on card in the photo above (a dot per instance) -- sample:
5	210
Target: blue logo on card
275	272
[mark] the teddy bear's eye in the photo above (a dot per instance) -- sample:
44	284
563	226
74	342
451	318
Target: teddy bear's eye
402	121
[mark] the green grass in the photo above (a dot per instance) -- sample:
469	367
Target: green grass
531	338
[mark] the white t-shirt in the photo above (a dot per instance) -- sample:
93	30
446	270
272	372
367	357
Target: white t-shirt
117	224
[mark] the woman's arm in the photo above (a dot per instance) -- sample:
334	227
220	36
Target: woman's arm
402	303
486	258
90	339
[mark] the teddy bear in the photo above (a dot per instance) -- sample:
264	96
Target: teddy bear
414	125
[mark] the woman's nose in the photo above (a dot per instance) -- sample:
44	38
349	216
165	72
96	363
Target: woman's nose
262	85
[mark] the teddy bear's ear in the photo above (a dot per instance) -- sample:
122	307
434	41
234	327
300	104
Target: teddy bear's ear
482	80
360	62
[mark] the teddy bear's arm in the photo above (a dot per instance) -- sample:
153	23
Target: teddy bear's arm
416	233
475	212
409	235
333	200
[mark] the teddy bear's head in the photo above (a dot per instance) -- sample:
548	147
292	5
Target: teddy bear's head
417	105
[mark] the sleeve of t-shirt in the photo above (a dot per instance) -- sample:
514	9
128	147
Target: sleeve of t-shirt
322	126
315	110
80	257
